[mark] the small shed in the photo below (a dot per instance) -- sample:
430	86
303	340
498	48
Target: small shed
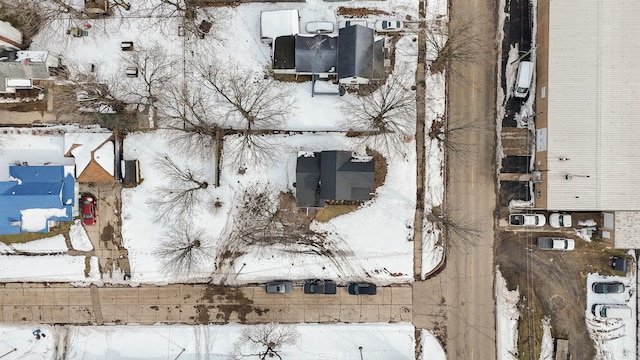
130	171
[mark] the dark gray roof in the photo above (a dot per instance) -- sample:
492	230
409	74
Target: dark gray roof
308	181
284	52
358	55
316	54
332	175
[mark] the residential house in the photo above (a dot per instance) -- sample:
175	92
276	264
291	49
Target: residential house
36	198
354	56
360	56
94	156
332	175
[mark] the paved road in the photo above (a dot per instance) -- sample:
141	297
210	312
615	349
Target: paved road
195	304
457	304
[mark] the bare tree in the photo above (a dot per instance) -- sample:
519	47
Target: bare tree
92	97
180	192
263	341
460	231
264	218
447	131
28	16
246	100
155	72
187	111
185	250
457	43
387	114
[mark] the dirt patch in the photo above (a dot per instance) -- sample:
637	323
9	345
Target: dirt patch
242	306
24	237
331	211
107	233
202	314
551	283
359	12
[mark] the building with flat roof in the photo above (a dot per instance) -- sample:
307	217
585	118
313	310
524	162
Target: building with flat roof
587	109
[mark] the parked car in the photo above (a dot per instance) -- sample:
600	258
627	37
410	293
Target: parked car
88	210
319	27
320	287
388	25
362	289
560	220
351	22
279	287
554	243
611	311
523	79
614	287
527	220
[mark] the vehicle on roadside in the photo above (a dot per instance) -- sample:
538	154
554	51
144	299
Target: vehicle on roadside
613	287
350	22
523	79
362	289
88	210
279	287
614	311
527	220
388	26
320	287
319	27
558	220
554	243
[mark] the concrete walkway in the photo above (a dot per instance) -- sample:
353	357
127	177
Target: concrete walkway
195	304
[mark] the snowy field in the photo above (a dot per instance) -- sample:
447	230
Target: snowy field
373	240
312	341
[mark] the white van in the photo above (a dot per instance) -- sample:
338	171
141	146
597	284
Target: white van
611	311
523	80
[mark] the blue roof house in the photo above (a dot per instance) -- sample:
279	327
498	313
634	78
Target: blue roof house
35	197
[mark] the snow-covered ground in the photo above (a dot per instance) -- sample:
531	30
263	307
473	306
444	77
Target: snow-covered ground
431	348
313	341
507	315
373	240
613	338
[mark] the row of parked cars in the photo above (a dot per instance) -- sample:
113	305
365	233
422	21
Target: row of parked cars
615	311
321	287
556	220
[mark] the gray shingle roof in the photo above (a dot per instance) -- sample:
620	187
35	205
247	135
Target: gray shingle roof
358	54
332	175
316	54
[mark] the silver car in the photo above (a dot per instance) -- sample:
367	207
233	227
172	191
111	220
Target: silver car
614	287
279	287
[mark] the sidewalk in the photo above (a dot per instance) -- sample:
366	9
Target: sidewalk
196	304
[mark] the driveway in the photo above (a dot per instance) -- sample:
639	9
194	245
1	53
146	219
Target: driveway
105	234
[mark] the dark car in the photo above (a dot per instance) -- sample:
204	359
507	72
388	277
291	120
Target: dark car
320	287
88	210
279	287
362	289
608	287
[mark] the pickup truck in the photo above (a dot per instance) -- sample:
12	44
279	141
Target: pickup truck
553	243
527	220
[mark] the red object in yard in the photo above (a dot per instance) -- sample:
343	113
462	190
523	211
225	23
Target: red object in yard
87	26
88	210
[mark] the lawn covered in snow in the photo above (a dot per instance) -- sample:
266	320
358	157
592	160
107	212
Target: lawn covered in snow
372	242
311	341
